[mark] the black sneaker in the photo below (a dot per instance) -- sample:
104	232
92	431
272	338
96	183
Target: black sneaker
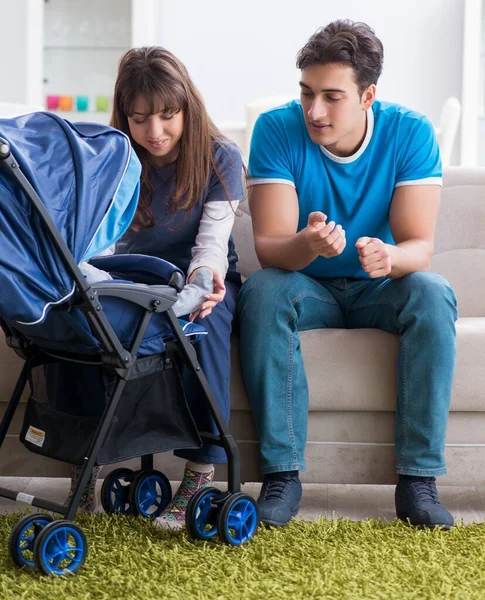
280	497
417	502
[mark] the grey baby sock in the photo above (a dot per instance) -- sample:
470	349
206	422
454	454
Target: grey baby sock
193	294
93	274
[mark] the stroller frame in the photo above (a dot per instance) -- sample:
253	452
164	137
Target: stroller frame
114	358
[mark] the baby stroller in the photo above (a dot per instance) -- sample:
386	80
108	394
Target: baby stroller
68	192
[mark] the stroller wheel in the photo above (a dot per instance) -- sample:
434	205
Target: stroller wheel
23	536
150	493
60	548
201	514
115	492
238	519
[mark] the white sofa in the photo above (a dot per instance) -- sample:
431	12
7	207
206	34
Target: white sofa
351	417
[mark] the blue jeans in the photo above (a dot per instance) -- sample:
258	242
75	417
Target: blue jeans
214	355
274	305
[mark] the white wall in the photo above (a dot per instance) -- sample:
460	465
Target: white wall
21	60
12	79
238	50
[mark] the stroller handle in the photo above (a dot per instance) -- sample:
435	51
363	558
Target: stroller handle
177	281
4	149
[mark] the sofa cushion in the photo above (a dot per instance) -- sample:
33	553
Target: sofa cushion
356	369
459	253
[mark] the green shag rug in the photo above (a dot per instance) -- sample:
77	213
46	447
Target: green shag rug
342	559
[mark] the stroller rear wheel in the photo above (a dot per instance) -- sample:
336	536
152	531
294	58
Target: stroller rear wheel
150	493
60	548
23	536
238	519
201	515
115	492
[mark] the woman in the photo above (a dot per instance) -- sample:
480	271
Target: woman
192	181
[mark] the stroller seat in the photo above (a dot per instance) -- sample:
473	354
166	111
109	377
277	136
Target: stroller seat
147	270
72	328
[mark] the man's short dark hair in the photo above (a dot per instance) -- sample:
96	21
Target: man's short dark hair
347	43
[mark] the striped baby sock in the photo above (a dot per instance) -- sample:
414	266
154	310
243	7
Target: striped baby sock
196	476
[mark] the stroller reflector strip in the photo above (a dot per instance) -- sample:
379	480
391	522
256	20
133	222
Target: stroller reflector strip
21	497
191	329
46	306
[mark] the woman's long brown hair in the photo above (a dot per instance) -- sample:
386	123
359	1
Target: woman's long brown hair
163	81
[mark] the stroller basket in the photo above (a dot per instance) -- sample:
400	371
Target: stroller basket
152	401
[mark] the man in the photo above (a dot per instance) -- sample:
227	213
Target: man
344	194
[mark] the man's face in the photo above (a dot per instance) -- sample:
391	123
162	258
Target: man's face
334	110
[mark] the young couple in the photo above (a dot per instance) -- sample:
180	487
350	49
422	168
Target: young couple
344	191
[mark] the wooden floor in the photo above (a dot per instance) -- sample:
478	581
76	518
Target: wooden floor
354	501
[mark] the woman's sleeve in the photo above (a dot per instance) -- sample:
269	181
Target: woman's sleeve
211	243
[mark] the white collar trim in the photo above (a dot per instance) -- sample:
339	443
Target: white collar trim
365	143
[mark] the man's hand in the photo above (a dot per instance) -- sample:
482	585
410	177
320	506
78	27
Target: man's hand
325	239
375	256
217	296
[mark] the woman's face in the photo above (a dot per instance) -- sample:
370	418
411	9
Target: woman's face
158	133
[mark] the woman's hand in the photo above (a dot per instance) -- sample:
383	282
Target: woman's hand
211	300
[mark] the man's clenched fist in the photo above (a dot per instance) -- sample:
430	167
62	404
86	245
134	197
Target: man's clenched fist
374	256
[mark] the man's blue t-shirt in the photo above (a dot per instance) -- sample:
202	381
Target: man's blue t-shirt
399	148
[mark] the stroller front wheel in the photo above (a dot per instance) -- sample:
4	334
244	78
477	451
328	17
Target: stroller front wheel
150	493
60	548
23	536
238	519
201	515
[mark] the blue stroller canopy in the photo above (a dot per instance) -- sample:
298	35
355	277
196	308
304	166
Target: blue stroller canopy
87	176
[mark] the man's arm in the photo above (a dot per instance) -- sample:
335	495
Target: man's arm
412	218
274	211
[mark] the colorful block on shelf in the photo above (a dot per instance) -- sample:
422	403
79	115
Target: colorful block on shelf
65	103
52	102
82	103
102	103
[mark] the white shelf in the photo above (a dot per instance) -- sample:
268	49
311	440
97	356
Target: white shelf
71	47
83	41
